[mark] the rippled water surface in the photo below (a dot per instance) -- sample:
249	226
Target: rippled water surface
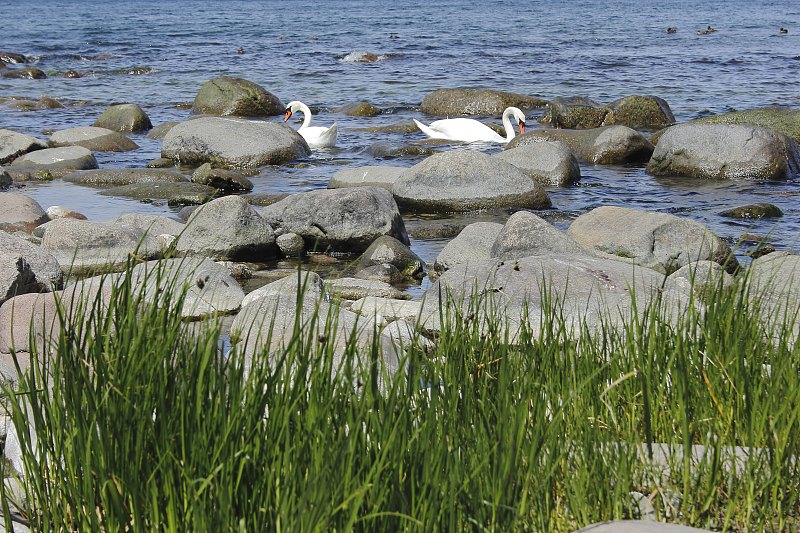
159	54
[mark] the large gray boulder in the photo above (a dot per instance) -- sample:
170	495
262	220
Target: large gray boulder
93	138
13	145
83	245
345	220
466	181
474	243
724	151
368	176
25	267
20	213
233	143
526	234
774	283
226	95
586	291
388	250
65	158
470	101
609	145
123	176
124	117
659	241
228	228
207	288
550	163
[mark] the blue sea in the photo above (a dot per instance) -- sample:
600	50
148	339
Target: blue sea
158	54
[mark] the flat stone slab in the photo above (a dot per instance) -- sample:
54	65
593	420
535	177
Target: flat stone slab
93	138
123	176
355	289
234	143
174	192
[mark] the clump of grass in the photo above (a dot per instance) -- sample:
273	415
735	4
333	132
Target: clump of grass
145	424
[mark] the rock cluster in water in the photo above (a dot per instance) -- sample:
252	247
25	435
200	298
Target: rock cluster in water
611	259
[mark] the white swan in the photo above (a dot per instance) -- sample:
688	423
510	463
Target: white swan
315	136
470	130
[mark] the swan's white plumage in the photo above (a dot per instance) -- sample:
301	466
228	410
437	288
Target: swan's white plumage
315	136
470	130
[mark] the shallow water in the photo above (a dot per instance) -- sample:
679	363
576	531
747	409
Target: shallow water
158	55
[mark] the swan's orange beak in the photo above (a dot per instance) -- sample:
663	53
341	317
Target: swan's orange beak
287	115
521	127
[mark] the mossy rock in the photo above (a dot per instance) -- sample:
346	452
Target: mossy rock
780	119
359	109
124	117
753	211
229	96
640	112
575	112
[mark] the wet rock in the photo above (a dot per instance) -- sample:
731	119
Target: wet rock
65	158
85	246
550	163
359	109
466	181
368	176
28	73
5	178
387	308
590	291
25	267
124	176
609	145
355	289
423	230
264	199
12	57
20	213
207	288
158	132
232	143
386	249
229	96
226	180
56	211
470	101
124	117
474	243
290	244
160	162
402	127
724	151
525	234
50	103
93	138
640	112
344	220
753	211
228	228
383	150
781	119
72	74
174	192
574	112
659	241
14	145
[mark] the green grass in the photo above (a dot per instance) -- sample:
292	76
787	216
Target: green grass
144	424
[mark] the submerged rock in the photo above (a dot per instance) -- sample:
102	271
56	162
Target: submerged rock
368	176
753	211
724	151
232	143
123	176
174	192
466	181
359	109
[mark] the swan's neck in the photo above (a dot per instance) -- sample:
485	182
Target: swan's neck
510	133
306	116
